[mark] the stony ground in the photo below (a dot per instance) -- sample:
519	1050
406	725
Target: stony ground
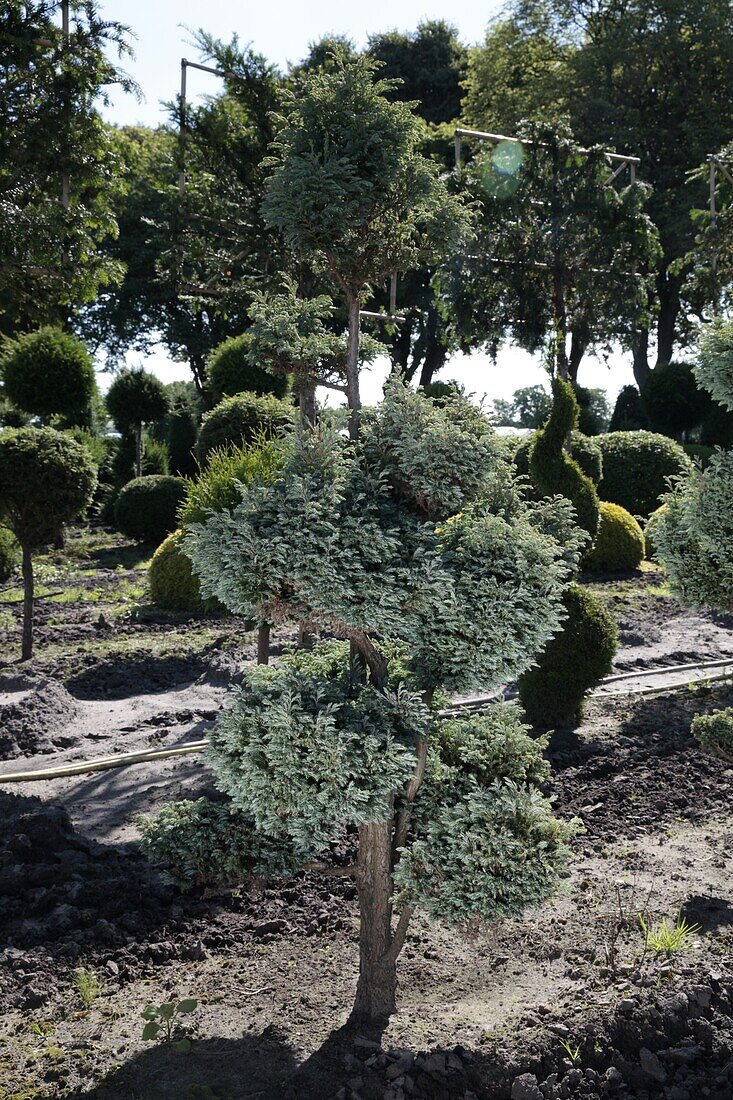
572	1001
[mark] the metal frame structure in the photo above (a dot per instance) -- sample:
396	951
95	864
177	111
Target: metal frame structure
621	160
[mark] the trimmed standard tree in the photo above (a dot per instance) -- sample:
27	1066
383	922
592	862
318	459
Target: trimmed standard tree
46	480
136	397
412	543
49	373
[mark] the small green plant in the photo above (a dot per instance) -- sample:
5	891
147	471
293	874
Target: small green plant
88	984
162	1022
668	939
573	1053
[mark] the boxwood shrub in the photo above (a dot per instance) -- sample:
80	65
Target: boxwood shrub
147	507
172	582
637	467
572	662
619	542
715	731
243	419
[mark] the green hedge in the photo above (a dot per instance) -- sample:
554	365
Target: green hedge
230	372
637	467
574	661
619	542
8	554
147	507
172	582
242	419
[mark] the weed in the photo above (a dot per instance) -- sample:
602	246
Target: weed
88	984
162	1023
573	1053
668	939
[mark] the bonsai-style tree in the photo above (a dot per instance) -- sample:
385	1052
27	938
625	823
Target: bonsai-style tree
49	373
46	480
413	543
351	192
136	397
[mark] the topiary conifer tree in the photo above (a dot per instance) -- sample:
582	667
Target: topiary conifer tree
352	193
136	397
49	373
415	532
46	480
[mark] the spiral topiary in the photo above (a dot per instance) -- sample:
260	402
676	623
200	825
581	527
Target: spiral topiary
584	450
242	419
619	542
147	507
552	469
172	582
574	661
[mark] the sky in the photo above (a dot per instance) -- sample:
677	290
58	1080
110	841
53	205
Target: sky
282	31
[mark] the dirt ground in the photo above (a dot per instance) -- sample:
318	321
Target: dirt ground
571	1001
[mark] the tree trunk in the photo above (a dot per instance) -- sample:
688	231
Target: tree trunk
577	351
376	990
307	402
28	594
352	369
434	361
138	450
263	644
669	308
642	369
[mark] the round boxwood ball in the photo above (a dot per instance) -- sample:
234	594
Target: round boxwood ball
619	542
637	467
230	372
173	584
8	554
147	507
243	419
574	661
49	372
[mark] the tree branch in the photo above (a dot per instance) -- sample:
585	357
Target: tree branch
403	818
398	939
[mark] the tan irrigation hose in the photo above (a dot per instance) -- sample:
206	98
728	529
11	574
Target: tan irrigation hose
141	756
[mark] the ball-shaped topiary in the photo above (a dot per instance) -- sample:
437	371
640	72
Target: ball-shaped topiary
8	554
172	582
637	468
231	371
147	507
552	469
672	400
574	661
136	397
49	372
243	419
628	413
619	542
46	480
650	528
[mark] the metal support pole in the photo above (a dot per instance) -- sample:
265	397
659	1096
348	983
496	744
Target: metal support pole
713	235
65	185
182	127
393	294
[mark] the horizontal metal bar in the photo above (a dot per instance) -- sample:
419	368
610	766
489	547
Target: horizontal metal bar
204	68
481	135
381	316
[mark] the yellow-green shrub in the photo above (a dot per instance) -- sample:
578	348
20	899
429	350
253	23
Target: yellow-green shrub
172	581
649	529
619	541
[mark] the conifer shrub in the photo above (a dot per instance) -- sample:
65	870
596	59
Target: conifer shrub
650	527
715	732
714	364
552	469
242	419
628	413
147	507
638	467
619	542
572	663
172	582
9	555
231	371
217	486
672	399
181	436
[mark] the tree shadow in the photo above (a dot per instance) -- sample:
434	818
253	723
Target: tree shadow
710	913
128	674
128	555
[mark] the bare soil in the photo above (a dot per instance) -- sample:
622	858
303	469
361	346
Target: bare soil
570	1001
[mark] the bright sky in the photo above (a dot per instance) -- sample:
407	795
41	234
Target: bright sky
283	30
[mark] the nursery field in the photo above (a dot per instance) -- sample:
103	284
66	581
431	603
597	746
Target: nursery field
623	986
